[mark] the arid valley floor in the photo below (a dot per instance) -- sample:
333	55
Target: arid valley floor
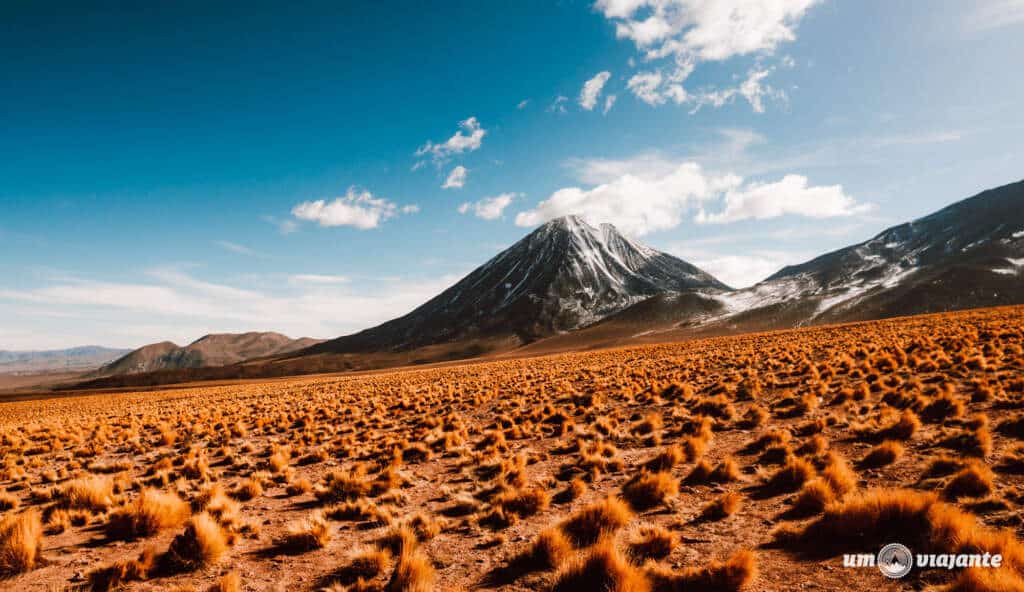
750	462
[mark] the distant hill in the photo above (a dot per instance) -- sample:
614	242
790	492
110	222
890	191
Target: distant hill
75	359
219	349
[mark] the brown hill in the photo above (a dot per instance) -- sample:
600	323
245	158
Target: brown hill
219	349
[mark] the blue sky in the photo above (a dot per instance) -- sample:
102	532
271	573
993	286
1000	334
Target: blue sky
316	169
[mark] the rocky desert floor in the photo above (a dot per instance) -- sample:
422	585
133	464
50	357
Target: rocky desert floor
739	463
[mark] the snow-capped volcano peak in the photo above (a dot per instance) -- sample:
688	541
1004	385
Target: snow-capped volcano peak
565	274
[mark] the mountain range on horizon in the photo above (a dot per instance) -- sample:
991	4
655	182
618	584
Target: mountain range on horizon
572	282
72	359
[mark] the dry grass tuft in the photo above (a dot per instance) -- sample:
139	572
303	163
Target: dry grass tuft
647	490
587	525
721	507
550	550
88	493
116	575
202	543
311	532
150	513
791	476
731	575
884	454
651	542
414	573
974	480
21	536
917	519
601	568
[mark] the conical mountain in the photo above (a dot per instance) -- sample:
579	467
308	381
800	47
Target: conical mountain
562	276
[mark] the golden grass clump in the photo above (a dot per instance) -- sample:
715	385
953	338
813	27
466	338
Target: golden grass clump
119	573
651	542
791	476
8	501
587	525
21	536
732	575
917	519
974	480
306	534
669	457
365	562
884	454
150	513
549	550
721	507
247	489
601	568
202	543
724	472
94	493
413	573
646	490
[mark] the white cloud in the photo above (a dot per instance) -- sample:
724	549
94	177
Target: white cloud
790	195
523	104
591	90
357	208
739	271
468	138
456	179
609	102
986	15
710	31
650	193
169	304
636	203
754	90
489	208
690	32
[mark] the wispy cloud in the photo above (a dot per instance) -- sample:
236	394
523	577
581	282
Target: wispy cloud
985	15
237	248
489	208
180	306
469	137
284	226
558	105
923	137
591	90
456	178
312	278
